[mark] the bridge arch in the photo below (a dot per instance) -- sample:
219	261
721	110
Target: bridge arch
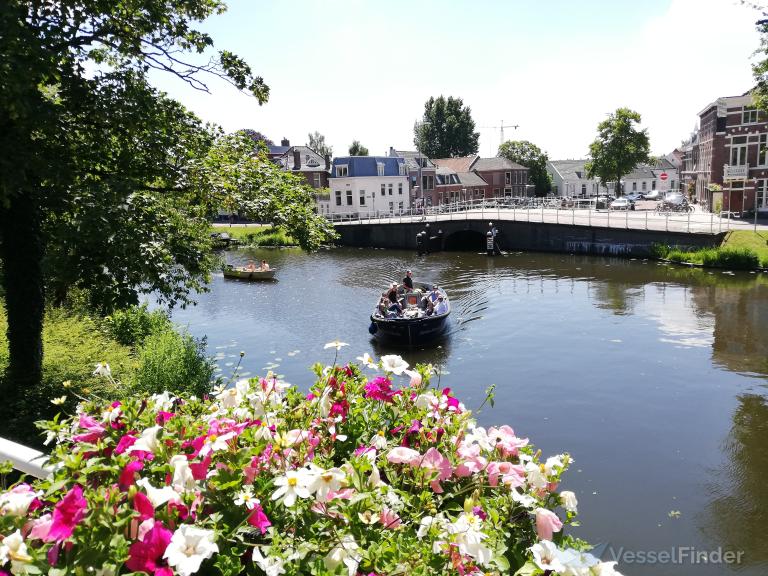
465	240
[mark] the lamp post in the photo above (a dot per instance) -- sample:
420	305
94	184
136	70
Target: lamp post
420	160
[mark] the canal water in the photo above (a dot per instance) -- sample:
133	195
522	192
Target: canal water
652	377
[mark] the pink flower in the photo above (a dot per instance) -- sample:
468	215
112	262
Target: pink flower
506	440
200	469
389	519
40	527
125	442
143	506
547	522
380	389
433	460
473	462
128	475
512	475
258	519
144	555
94	430
67	514
415	378
163	417
401	455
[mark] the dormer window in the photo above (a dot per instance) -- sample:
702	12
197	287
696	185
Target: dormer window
342	170
402	169
380	167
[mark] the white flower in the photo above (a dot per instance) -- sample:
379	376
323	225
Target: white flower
467	533
367	361
335	344
111	414
547	556
102	369
535	476
14	549
478	435
162	401
344	552
569	501
605	569
325	481
16	502
229	398
525	500
424	525
158	496
263	432
106	570
553	465
379	440
183	480
215	443
393	363
576	563
246	498
188	548
148	441
291	486
59	401
272	566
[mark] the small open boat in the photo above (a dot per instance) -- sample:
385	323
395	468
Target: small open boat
244	273
413	327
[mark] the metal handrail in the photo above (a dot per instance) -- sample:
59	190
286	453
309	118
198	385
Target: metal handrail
25	459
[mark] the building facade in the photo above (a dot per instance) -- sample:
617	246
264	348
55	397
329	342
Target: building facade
502	177
367	185
421	176
305	162
569	179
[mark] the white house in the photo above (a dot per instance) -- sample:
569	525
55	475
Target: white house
367	185
569	179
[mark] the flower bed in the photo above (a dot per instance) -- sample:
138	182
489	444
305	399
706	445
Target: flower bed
360	476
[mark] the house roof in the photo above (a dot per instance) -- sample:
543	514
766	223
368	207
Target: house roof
496	163
570	169
471	179
412	158
462	164
641	172
368	165
278	150
310	161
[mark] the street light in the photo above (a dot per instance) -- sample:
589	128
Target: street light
419	159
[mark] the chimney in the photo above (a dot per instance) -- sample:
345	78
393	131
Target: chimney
296	159
327	161
391	152
284	142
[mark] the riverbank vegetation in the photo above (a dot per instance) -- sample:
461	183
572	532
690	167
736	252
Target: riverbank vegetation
754	241
740	250
256	235
143	350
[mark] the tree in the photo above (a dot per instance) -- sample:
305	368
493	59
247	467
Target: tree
618	148
256	136
446	130
357	149
98	171
532	157
317	143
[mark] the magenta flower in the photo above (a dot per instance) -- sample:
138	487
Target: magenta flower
258	519
163	417
380	389
128	475
143	556
143	506
125	442
67	514
94	430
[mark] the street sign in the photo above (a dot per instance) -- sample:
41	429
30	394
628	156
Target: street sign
663	176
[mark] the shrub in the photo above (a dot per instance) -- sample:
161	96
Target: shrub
734	258
660	250
360	476
174	362
132	325
676	255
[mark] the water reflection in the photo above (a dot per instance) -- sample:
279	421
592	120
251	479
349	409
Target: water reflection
737	516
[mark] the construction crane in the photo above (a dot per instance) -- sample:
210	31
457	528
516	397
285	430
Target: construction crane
501	127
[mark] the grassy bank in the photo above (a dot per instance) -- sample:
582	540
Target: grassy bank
757	242
740	250
256	235
144	350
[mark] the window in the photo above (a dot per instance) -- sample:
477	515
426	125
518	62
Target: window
738	154
380	167
762	151
495	192
583	189
402	169
508	178
645	185
400	188
383	189
634	186
653	185
338	197
507	191
318	183
342	170
762	194
389	188
391	207
427	182
400	206
362	197
749	116
349	197
671	184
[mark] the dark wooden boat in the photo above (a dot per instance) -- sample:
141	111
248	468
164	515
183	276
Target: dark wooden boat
414	327
245	274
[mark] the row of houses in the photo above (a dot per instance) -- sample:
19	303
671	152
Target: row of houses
401	180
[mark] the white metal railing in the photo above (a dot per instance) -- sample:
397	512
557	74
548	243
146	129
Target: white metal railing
25	459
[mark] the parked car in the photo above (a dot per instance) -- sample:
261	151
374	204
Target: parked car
653	195
675	198
603	201
622	203
634	196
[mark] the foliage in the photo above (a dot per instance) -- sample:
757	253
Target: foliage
233	178
258	235
755	241
532	157
619	147
760	67
317	143
73	345
174	362
256	136
360	476
357	149
130	326
446	130
720	257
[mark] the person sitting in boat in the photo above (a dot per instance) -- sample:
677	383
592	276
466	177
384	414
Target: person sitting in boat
442	306
408	280
264	266
392	293
434	294
251	267
430	308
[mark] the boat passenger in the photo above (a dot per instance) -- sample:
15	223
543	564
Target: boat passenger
430	307
382	307
264	266
392	293
251	267
408	280
442	306
433	295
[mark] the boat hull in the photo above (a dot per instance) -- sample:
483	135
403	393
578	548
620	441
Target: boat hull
410	332
244	274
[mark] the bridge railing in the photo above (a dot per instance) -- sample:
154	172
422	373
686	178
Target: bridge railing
25	459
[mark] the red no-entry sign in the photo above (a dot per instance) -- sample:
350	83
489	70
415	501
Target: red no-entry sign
663	176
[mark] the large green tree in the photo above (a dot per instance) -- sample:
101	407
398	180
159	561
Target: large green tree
532	157
446	130
100	174
618	148
357	149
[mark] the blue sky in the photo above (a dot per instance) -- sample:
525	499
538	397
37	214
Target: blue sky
358	69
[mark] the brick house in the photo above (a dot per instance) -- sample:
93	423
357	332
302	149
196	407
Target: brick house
502	177
308	163
417	164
